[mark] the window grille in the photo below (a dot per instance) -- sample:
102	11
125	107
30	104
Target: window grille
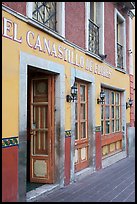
93	37
45	13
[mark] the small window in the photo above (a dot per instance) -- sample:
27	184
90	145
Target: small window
94	32
93	11
110	112
51	15
120	35
45	12
119	44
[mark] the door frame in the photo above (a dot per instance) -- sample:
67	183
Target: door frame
90	79
59	70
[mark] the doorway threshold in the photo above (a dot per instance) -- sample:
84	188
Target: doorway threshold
46	188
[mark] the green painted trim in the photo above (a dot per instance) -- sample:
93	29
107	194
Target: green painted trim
8	142
98	128
68	133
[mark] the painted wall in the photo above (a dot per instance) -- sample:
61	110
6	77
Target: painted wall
75	22
109	36
109	32
16	41
10	72
9	173
17	6
75	32
127	43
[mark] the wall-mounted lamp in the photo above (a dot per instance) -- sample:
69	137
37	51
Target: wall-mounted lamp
102	96
129	103
73	95
129	51
103	56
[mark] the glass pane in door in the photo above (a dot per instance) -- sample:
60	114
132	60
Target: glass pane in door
83	111
83	130
82	93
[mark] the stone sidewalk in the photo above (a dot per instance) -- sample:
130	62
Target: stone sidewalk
115	183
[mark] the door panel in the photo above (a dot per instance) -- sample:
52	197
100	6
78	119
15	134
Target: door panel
42	130
81	126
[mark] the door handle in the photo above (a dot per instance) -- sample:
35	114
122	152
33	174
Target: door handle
32	132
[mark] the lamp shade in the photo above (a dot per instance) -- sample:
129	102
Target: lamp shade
102	94
74	90
130	102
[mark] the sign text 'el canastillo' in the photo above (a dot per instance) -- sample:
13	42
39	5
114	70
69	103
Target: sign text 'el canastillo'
43	44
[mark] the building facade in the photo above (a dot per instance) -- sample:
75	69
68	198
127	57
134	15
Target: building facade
67	83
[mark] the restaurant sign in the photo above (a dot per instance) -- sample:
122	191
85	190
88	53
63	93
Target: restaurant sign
42	44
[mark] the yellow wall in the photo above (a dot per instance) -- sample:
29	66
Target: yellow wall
10	76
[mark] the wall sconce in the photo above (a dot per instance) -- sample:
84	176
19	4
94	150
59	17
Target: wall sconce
129	51
73	95
129	103
102	96
103	56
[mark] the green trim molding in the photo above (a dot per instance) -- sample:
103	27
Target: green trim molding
98	129
68	133
8	142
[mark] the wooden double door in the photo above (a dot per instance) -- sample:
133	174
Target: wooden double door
41	128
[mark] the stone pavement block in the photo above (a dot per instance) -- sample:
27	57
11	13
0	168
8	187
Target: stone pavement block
116	189
130	198
124	193
102	187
